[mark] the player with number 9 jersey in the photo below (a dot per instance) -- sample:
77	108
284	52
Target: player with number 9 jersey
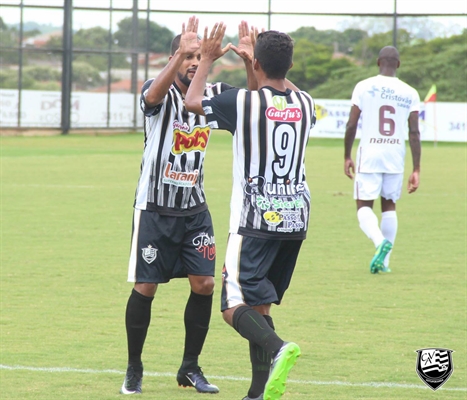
270	196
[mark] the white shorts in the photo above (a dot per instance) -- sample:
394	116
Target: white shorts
372	186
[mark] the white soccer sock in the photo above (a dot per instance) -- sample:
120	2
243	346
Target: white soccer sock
369	225
389	229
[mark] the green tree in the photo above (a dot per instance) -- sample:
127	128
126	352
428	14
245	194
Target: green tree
85	76
313	63
9	38
96	38
368	48
441	61
152	36
40	73
339	41
235	77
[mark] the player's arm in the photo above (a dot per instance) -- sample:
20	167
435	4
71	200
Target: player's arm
350	133
189	44
416	149
211	50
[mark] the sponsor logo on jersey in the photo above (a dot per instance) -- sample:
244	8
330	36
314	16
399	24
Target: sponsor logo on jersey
258	185
390	94
292	222
273	218
385	140
373	90
149	254
184	141
179	178
206	245
280	203
291	113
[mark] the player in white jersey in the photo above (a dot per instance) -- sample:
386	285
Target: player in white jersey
389	109
270	201
173	233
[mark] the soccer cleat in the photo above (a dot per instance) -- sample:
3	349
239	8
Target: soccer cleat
133	381
260	397
282	364
386	270
196	379
377	263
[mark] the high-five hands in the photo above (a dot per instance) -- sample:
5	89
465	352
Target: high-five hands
246	41
211	44
189	42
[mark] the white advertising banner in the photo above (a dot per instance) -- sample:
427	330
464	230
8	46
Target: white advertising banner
444	122
42	109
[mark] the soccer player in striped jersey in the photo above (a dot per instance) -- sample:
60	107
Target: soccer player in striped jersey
172	229
270	201
389	109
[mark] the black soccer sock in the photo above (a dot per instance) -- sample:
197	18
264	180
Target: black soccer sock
197	317
260	366
252	326
137	319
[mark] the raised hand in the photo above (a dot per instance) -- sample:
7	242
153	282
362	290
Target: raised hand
245	43
211	44
189	42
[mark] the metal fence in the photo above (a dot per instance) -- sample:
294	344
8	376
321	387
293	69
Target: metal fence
87	73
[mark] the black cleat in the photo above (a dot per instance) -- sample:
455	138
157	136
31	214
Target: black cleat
195	378
133	381
260	397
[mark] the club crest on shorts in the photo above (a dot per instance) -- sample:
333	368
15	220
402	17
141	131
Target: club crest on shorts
149	254
434	366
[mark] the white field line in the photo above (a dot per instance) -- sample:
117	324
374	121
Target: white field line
226	378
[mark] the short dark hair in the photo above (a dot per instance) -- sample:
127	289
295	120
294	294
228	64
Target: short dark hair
274	52
175	44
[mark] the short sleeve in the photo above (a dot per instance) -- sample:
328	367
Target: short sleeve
147	111
221	110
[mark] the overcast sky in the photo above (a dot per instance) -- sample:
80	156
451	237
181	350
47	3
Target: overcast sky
287	23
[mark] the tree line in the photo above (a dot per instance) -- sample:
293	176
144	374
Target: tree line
327	63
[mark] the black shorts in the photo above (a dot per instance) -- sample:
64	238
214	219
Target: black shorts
257	271
166	247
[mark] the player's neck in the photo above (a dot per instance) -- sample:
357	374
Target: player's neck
183	88
278	84
388	72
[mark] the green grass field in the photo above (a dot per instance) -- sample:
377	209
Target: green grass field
66	208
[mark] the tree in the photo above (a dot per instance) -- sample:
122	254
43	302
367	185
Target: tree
235	77
441	61
313	63
85	76
151	36
367	50
9	38
96	38
339	41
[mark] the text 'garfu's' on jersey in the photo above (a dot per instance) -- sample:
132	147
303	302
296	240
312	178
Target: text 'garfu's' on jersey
385	104
175	143
270	196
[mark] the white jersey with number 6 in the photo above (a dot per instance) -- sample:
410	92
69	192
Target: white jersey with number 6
385	104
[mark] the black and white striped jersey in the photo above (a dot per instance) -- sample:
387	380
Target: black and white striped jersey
270	196
175	142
